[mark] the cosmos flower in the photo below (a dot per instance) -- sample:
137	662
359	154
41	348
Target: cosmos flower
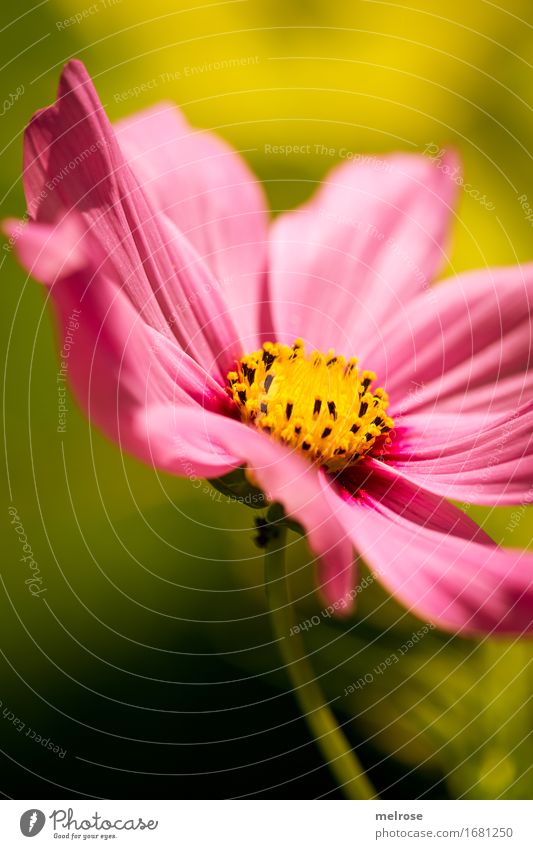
311	351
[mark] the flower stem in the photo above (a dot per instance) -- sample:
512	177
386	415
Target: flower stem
331	740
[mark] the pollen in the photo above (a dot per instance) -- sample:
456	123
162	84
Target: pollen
319	404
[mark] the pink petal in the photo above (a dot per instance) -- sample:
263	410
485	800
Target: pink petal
464	346
369	241
44	256
468	457
72	160
114	361
462	439
210	194
284	477
181	444
437	562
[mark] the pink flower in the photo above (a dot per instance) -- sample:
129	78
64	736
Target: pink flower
194	314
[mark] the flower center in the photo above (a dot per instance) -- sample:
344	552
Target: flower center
320	404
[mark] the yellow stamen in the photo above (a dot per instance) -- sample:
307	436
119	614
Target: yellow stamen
320	404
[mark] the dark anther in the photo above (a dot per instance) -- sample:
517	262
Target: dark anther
354	428
264	407
249	373
332	409
268	381
325	432
316	408
268	359
378	420
366	383
331	362
306	446
242	396
298	429
340	451
288	411
363	408
368	436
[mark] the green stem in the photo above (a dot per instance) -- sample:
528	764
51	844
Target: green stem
331	740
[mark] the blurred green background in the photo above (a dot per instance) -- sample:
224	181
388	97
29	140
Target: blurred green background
150	659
